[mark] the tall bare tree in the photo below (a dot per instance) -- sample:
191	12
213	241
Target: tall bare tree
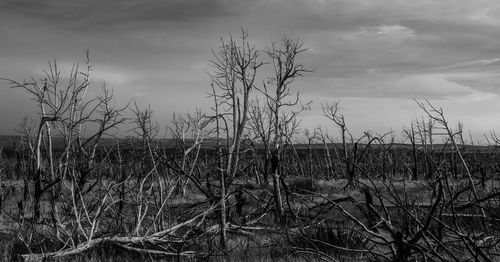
279	95
234	72
235	67
331	111
66	107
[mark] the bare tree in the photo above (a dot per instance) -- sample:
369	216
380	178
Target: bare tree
437	115
331	111
235	69
189	132
279	96
262	128
64	107
411	136
324	138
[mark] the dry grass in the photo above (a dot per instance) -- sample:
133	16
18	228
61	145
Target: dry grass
265	247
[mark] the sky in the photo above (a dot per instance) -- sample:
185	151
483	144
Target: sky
374	56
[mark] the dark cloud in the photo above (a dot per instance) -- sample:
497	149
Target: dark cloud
93	14
158	51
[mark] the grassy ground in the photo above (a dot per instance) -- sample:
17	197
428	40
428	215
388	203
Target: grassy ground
264	247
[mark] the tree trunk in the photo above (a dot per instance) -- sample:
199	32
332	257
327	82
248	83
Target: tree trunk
276	186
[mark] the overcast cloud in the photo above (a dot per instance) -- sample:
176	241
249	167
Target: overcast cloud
373	56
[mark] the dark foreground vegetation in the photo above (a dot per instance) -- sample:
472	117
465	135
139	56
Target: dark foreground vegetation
231	185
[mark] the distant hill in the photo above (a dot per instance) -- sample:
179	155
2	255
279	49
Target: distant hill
8	142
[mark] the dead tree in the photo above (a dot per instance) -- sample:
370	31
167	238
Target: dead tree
325	139
411	136
437	115
330	111
65	109
277	91
235	68
262	128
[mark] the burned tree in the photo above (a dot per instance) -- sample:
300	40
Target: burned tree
279	100
235	69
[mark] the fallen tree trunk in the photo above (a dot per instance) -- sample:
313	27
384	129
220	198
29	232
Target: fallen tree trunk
146	243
